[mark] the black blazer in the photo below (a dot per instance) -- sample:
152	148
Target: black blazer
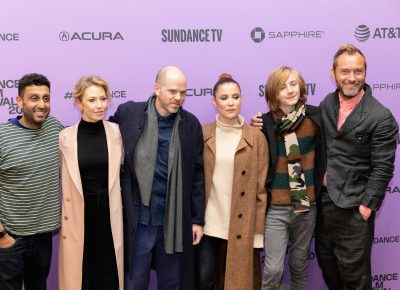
320	161
131	117
361	154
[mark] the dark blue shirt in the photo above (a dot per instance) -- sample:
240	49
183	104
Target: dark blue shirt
154	213
16	122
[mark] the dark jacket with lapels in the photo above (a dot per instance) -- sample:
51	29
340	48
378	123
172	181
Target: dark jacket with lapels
131	117
360	155
319	162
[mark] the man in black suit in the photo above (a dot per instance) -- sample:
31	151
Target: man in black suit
361	139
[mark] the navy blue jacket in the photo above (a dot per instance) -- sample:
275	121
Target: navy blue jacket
131	117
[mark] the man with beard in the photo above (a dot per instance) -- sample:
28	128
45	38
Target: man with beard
162	185
29	188
361	139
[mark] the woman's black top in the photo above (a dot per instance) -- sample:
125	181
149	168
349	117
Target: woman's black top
99	263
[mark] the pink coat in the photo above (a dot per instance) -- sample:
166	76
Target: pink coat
70	256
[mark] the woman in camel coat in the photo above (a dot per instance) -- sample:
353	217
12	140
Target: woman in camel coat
235	167
91	238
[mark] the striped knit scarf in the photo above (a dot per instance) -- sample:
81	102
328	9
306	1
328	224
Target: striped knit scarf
286	127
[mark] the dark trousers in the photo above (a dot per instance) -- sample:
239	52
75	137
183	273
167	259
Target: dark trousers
149	251
210	262
27	261
343	246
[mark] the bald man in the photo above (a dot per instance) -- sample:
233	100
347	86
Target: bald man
162	185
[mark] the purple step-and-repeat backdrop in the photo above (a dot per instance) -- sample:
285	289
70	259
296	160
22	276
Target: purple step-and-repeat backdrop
126	42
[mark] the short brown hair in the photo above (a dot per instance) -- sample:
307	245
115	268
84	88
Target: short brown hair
349	49
275	83
88	81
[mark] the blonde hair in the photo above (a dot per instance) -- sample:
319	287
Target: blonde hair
88	81
276	81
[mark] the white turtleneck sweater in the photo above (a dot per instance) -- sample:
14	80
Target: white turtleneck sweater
218	210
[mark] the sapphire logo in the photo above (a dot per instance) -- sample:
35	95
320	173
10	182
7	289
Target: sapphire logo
64	36
386	87
362	33
258	34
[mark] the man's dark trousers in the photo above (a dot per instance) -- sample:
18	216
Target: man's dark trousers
344	242
149	252
26	262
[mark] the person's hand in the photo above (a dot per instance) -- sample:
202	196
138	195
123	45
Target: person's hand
256	121
7	242
365	211
197	231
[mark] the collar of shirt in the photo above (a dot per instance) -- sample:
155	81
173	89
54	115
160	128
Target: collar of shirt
349	105
170	118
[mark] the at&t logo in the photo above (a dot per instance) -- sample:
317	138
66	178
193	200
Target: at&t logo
362	33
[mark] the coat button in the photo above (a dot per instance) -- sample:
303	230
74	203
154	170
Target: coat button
243	172
240	215
66	218
64	237
68	199
238	237
242	193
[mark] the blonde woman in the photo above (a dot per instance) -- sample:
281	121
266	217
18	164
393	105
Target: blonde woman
235	167
91	239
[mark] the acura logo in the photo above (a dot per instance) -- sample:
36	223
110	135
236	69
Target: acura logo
64	36
90	35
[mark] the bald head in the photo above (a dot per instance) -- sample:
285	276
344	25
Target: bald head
169	73
170	90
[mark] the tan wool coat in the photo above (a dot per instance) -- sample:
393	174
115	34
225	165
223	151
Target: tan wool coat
248	203
70	255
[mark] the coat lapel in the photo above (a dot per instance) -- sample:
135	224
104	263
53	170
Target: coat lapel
356	117
272	139
69	148
209	136
246	139
332	113
114	151
314	115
